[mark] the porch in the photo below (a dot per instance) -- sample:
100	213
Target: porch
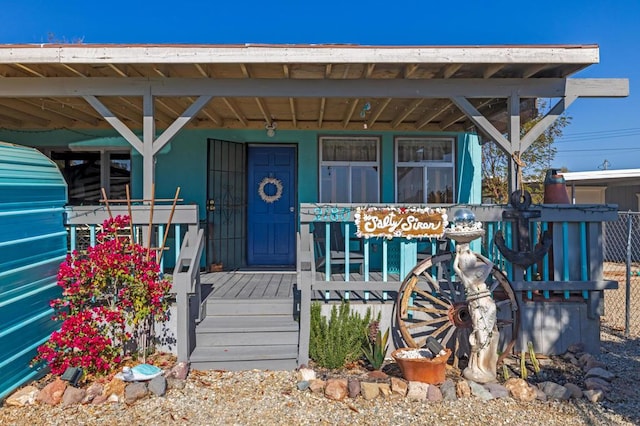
557	301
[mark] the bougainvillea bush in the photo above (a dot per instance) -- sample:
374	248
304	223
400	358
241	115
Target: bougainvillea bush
111	296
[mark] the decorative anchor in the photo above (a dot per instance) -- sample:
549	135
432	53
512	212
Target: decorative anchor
522	255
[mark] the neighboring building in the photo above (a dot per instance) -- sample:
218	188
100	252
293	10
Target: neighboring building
620	187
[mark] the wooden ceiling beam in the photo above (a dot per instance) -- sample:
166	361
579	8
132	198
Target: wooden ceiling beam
235	110
10	120
368	70
30	70
459	115
73	70
323	103
66	110
245	71
327	70
22	116
406	112
292	107
209	114
438	109
201	70
286	70
350	110
31	109
491	70
533	70
410	69
379	110
450	70
264	110
118	70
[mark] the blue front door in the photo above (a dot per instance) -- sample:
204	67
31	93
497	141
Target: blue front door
271	205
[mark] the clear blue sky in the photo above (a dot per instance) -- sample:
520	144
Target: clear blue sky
601	129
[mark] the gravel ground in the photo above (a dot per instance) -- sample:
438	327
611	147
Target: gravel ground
271	398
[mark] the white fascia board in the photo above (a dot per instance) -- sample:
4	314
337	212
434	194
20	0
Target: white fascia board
601	174
123	54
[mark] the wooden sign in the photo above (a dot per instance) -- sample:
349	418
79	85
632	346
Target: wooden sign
407	222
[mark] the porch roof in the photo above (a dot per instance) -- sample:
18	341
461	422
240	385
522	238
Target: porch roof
603	177
320	87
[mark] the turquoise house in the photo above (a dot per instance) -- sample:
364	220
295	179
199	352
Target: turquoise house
257	137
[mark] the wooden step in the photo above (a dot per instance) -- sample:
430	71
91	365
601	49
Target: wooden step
263	357
250	307
241	324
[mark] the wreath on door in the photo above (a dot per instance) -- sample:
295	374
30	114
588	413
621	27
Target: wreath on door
270	198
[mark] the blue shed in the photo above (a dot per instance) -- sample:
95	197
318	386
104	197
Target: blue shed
33	243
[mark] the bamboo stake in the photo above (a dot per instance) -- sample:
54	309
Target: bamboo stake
153	194
166	230
106	202
130	215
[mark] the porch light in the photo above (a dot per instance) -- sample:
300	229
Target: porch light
271	128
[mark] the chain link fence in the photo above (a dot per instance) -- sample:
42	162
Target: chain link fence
622	264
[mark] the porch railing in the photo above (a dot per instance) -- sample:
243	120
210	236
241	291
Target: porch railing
573	268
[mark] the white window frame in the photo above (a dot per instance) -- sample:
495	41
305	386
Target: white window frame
349	164
425	164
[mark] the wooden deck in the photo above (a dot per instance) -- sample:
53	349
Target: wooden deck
264	285
250	284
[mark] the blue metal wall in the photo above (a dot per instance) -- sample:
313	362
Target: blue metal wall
33	243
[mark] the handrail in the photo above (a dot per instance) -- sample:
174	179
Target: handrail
186	283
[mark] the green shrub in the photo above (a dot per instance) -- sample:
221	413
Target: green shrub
339	340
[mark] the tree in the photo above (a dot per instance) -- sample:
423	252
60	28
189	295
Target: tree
537	159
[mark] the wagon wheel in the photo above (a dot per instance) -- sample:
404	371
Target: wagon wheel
432	303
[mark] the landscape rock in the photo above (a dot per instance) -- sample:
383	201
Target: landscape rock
134	392
317	386
173	383
52	393
520	389
399	386
479	391
369	390
385	389
180	371
24	396
158	386
576	392
354	387
462	389
448	389
114	387
601	373
73	396
99	399
497	390
303	385
594	395
418	391
306	374
377	375
597	383
94	390
336	389
434	394
555	391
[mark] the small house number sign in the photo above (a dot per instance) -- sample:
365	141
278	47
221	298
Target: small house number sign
407	222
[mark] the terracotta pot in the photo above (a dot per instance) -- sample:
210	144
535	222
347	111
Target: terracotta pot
426	370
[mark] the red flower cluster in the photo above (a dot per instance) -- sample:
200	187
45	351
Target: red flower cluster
115	285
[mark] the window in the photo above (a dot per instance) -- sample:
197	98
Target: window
349	170
425	170
87	172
